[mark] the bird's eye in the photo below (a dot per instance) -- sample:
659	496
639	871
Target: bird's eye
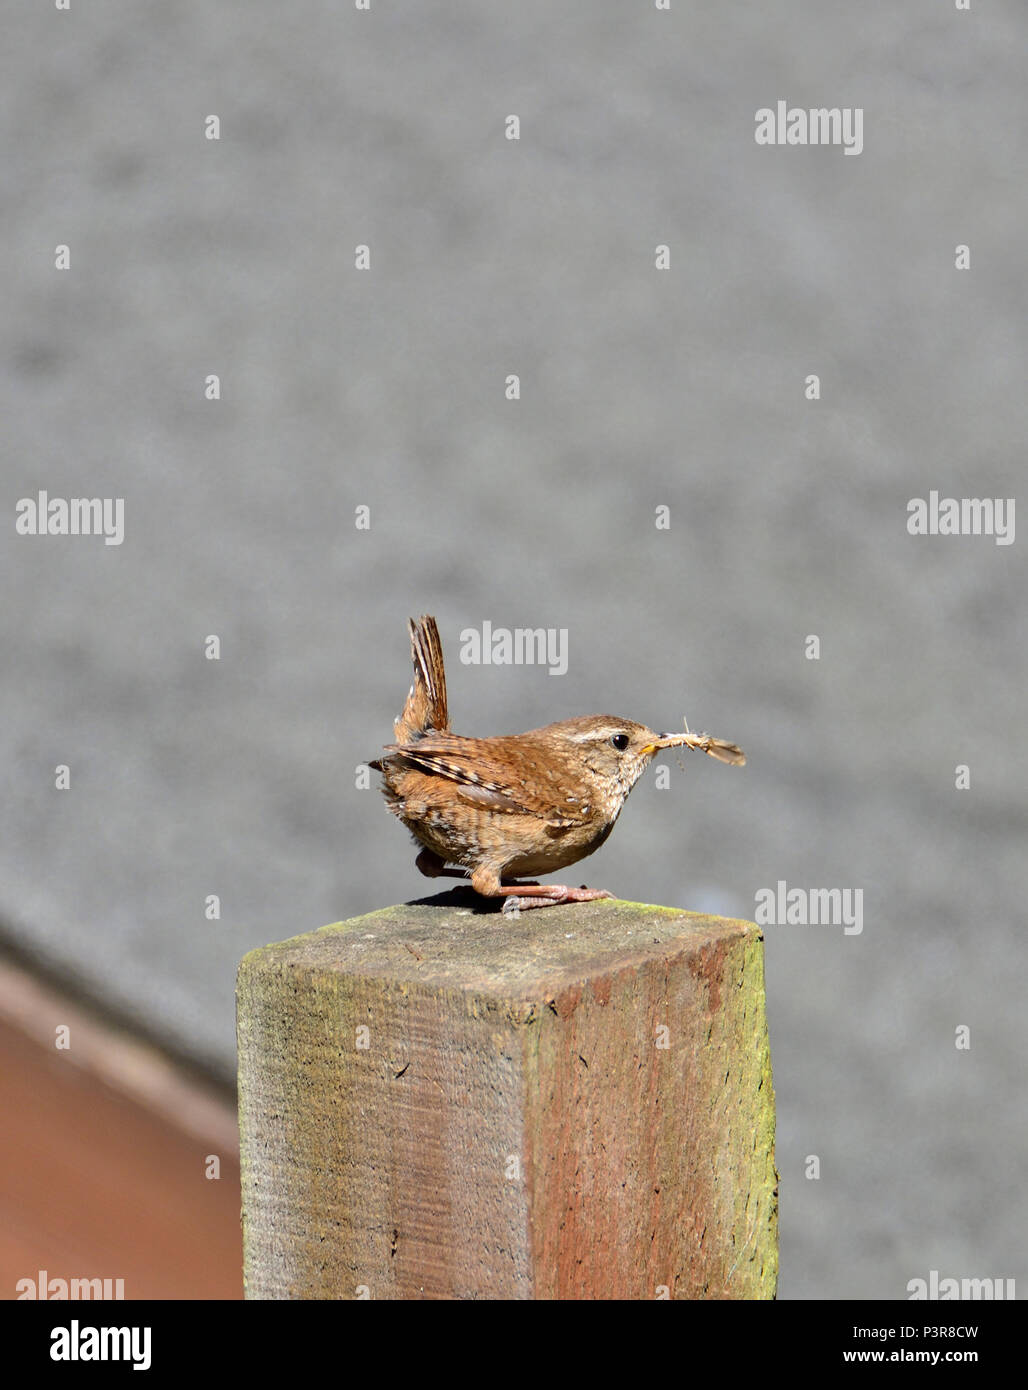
620	741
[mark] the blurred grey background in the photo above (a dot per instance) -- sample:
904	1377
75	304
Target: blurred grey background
640	388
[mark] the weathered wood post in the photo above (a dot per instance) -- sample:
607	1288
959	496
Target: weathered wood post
441	1102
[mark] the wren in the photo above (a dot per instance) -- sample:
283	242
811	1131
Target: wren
516	806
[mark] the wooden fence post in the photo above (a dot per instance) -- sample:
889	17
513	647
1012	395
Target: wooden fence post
437	1101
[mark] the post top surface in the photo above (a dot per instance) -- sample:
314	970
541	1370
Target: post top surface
451	941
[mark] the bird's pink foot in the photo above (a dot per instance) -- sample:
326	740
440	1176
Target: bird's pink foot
522	896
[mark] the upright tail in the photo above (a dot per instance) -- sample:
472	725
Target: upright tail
426	703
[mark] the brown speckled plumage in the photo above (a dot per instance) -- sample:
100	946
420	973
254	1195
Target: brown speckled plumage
521	804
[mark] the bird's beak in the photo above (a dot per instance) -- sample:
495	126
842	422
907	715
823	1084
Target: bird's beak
715	747
665	741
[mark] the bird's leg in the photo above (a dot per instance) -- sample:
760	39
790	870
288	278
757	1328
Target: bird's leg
520	897
433	867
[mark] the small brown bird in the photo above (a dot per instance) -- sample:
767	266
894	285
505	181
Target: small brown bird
522	804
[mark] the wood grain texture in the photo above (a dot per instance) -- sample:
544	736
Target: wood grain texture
514	1127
